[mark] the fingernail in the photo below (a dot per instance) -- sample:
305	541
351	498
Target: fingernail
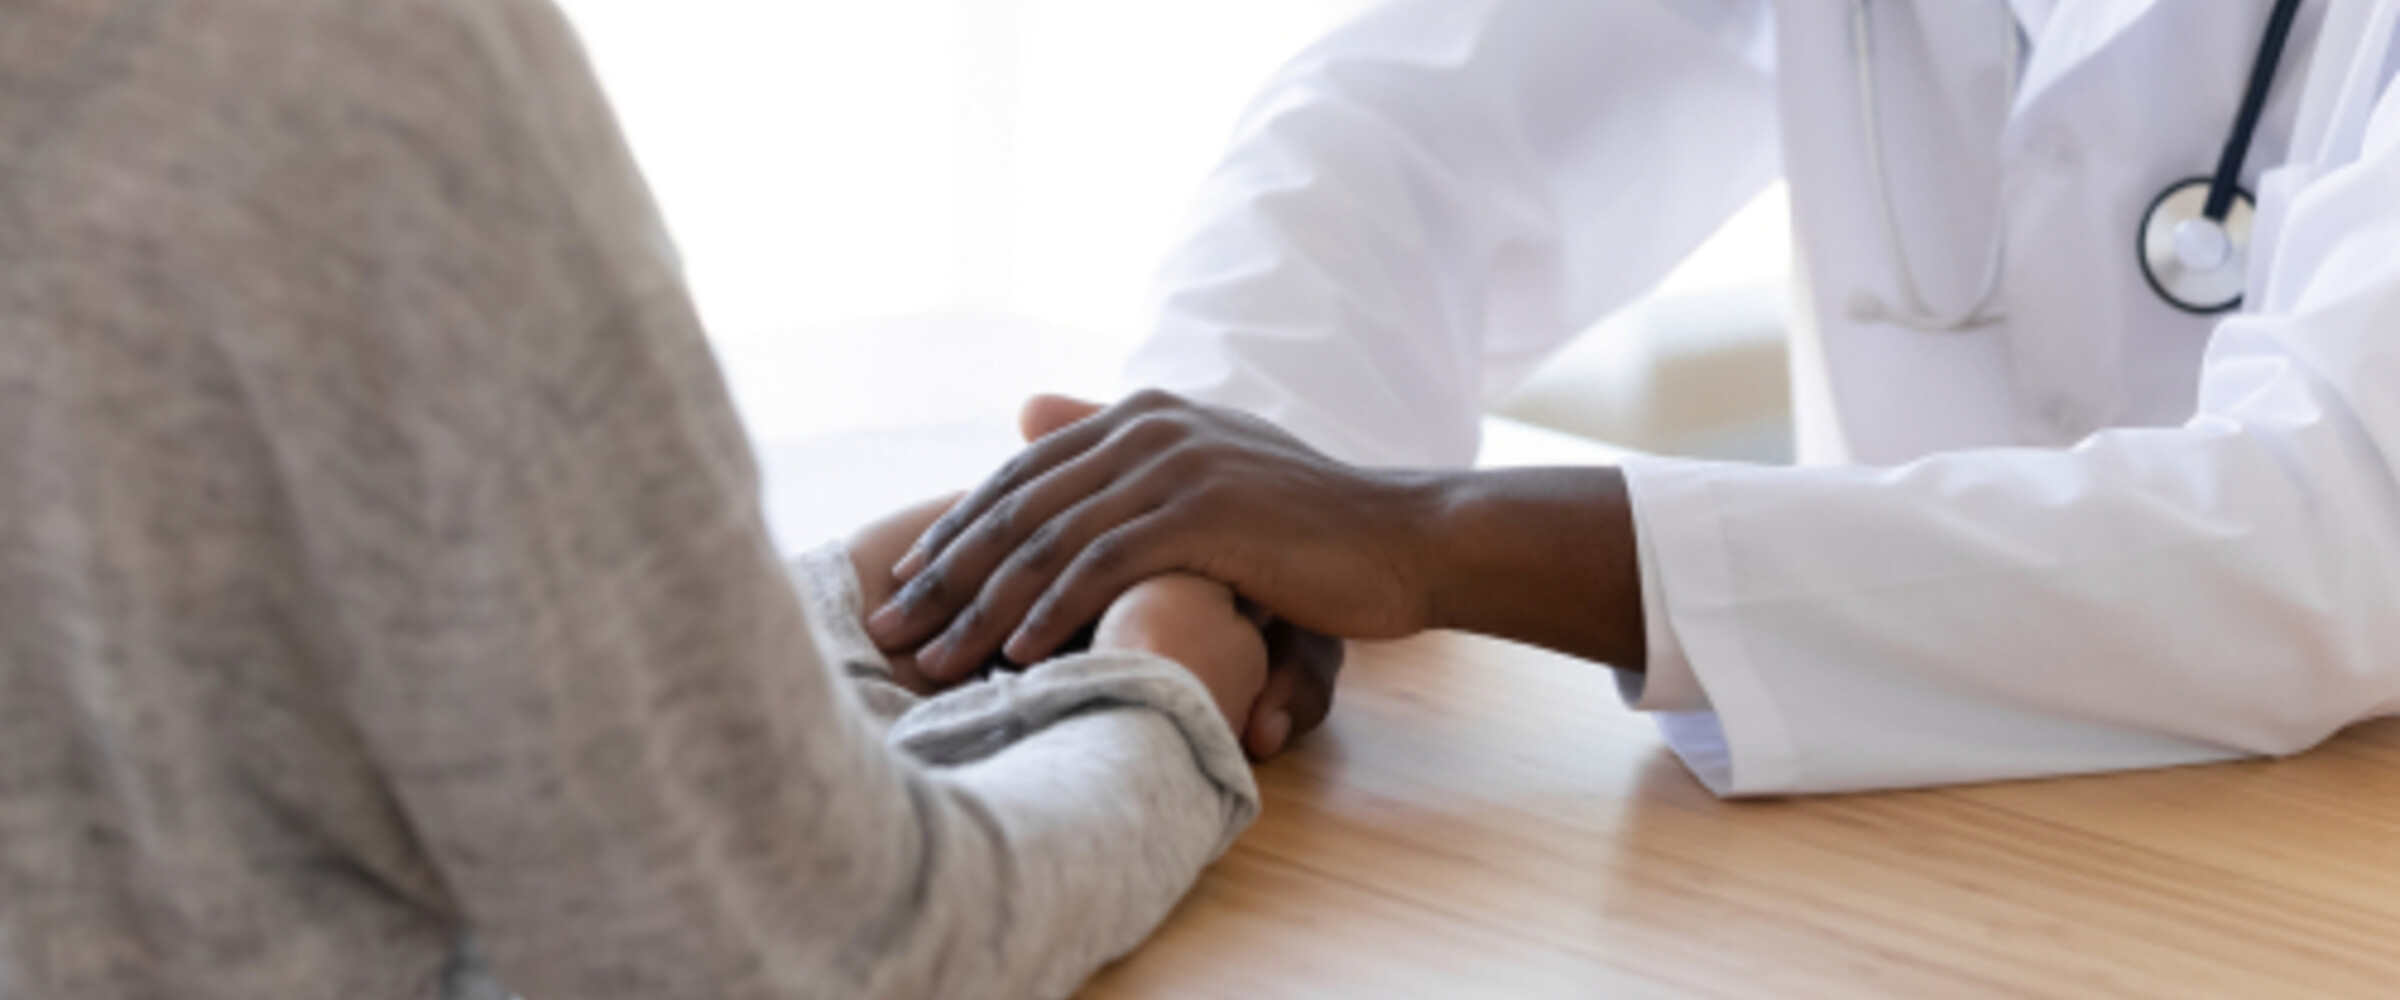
929	658
885	621
1274	729
909	565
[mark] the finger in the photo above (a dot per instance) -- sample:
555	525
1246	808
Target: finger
1027	465
1270	725
1302	667
1027	569
873	546
1114	561
906	673
945	589
1045	414
1319	659
1036	459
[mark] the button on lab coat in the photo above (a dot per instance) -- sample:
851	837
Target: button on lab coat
1963	581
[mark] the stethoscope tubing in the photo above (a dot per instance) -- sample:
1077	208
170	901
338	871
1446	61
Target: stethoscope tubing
1915	313
2224	191
2226	182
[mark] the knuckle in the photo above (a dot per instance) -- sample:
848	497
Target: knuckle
947	526
1190	469
1014	469
1153	432
1106	555
1187	510
1151	400
1041	548
1000	522
1210	497
1178	465
1134	432
931	590
1038	620
971	621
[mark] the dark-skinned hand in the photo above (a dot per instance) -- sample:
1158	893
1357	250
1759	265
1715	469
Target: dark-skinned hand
873	549
1302	665
1108	497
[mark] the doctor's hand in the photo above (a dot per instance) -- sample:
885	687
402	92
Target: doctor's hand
1302	664
1293	698
1155	485
873	549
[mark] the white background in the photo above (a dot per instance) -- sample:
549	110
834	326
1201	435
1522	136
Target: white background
900	217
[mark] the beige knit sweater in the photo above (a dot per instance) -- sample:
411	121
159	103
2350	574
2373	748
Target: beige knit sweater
382	580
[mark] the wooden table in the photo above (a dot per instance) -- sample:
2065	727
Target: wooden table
1483	820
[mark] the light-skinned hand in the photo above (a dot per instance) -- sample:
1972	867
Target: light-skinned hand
1198	623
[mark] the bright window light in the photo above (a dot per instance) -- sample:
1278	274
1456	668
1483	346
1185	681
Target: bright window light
916	212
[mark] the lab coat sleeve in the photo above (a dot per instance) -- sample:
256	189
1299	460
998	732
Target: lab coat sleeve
1425	203
1666	682
1667	688
2150	597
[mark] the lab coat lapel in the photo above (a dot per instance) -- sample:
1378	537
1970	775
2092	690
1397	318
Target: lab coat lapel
2033	14
2072	33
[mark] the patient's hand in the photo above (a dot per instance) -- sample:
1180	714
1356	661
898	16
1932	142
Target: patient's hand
1195	622
1191	620
873	550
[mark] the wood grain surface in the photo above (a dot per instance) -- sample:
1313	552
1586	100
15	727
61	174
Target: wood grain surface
1483	820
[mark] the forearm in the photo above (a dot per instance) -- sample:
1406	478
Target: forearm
1044	859
750	832
1540	556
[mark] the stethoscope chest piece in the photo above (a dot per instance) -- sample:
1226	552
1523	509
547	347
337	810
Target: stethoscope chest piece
2196	263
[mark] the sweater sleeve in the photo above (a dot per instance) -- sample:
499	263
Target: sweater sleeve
542	592
642	773
829	585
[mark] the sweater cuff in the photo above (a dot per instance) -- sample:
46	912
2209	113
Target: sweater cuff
830	591
978	720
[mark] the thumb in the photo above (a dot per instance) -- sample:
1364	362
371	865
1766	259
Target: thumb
1045	413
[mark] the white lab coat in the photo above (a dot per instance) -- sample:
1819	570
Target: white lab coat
1963	581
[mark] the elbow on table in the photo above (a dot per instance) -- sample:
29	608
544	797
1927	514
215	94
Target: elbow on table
2317	692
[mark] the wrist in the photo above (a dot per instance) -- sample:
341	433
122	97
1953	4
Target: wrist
1425	521
1452	512
1195	623
1541	556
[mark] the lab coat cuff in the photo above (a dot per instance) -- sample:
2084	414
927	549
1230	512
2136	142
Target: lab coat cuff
1741	745
1665	683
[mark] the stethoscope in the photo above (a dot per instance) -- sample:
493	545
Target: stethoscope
2193	243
